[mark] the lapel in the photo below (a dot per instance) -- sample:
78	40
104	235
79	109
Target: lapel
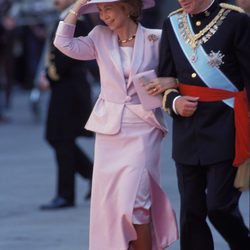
116	58
137	57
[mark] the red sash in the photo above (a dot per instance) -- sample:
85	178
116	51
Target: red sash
242	133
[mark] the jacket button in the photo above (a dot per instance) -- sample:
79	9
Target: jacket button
198	23
128	99
193	75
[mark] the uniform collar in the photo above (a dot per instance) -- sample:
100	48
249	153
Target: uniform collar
206	13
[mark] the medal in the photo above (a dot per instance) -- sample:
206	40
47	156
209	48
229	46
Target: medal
215	59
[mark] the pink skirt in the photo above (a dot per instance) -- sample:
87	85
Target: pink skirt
126	190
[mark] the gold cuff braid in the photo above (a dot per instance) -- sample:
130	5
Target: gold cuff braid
164	100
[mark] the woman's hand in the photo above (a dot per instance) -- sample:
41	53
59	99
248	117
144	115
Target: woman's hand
78	4
73	14
159	85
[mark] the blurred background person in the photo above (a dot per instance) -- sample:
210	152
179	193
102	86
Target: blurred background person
23	28
32	41
69	109
7	33
33	20
244	4
151	18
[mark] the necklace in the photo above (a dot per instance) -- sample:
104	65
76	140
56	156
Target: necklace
203	35
127	40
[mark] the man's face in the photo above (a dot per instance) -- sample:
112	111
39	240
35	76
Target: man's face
194	6
244	4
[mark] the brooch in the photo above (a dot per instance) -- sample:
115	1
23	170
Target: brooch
153	37
215	59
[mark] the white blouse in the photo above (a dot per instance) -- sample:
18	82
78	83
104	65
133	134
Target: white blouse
126	59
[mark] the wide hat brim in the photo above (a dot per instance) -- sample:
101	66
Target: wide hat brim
91	7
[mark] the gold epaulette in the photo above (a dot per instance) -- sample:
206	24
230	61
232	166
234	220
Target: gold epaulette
175	12
231	7
164	100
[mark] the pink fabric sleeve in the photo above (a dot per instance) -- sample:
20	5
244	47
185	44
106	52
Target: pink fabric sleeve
81	48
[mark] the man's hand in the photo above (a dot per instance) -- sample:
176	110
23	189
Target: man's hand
186	105
43	82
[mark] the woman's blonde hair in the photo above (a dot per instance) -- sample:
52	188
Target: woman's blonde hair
135	9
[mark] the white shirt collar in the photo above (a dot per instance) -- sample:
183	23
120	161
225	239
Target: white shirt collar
208	6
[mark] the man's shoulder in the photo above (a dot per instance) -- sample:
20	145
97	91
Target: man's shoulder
231	7
175	12
237	15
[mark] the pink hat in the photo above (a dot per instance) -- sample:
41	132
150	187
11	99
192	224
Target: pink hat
90	6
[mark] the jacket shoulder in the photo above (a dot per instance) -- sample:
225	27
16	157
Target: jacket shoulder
101	28
149	31
152	34
153	31
231	7
100	31
175	12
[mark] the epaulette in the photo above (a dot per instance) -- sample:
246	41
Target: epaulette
231	7
175	12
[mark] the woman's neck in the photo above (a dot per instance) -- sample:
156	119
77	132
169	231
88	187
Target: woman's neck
127	32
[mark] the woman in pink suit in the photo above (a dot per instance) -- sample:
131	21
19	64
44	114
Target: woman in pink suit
129	210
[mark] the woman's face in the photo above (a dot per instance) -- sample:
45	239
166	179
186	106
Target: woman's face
114	15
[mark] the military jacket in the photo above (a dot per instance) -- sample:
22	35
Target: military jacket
208	136
70	101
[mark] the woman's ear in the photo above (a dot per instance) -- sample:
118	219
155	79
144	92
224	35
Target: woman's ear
127	9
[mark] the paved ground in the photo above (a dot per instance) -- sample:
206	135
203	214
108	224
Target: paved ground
27	179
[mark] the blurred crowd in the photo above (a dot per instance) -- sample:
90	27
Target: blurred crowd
23	31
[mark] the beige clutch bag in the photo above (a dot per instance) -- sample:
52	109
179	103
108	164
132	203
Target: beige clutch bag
148	102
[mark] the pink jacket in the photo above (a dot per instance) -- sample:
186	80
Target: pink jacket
102	44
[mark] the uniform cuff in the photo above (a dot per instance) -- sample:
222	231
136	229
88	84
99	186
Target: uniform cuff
173	107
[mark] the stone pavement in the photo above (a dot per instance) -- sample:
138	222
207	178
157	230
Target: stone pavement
27	179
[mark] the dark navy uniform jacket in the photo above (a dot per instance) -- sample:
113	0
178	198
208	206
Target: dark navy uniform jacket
208	136
70	102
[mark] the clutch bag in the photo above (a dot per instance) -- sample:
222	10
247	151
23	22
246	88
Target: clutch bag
148	102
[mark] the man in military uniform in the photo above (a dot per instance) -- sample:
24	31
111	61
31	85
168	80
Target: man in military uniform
7	41
205	45
69	109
